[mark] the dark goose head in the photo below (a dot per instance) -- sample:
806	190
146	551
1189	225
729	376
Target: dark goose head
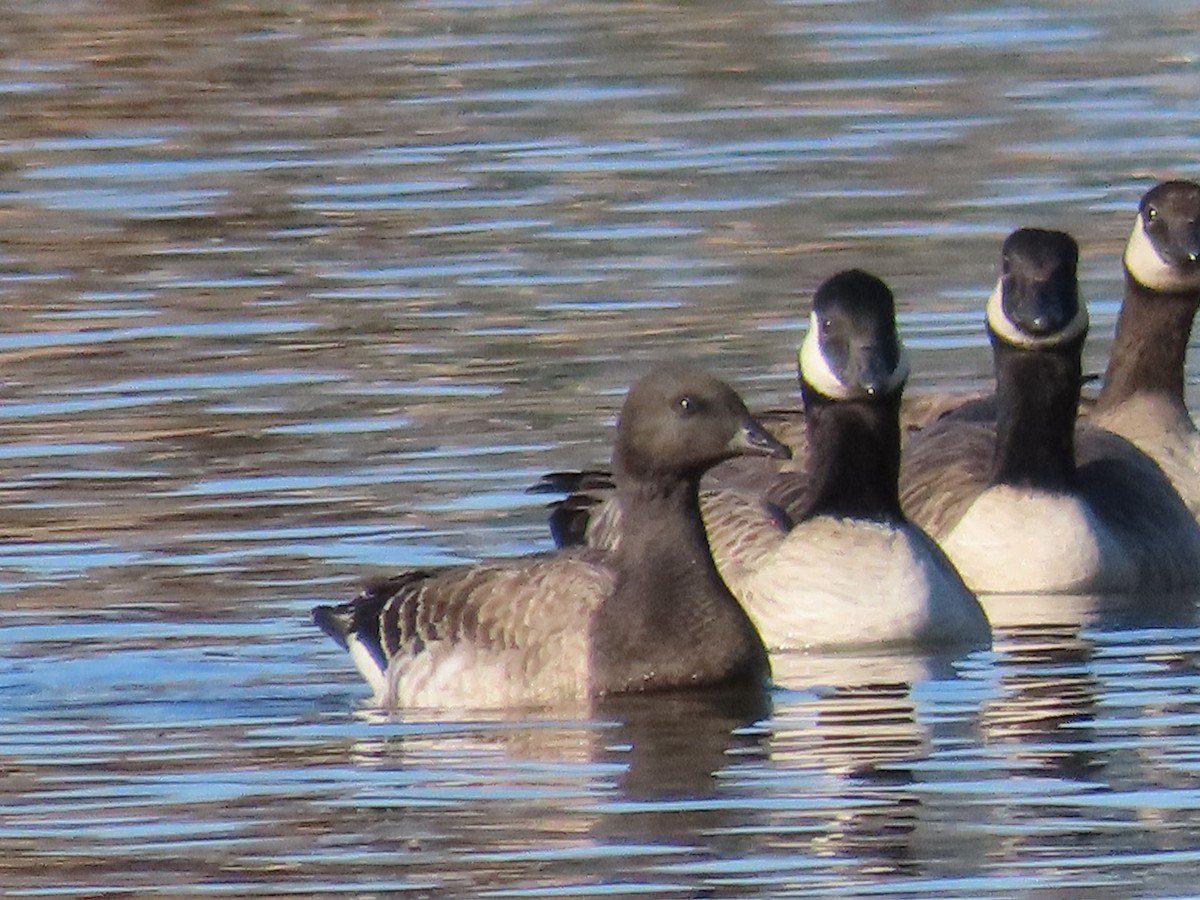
851	350
681	421
1163	252
1036	301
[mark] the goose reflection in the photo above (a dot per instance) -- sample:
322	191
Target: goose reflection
1042	716
845	745
1051	675
547	796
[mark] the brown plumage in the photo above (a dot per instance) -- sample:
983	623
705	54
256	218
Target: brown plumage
1143	394
652	614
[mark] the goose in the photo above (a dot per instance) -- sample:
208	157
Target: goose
1142	395
853	570
653	614
1027	502
827	558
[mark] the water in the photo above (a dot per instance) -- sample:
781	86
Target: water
298	293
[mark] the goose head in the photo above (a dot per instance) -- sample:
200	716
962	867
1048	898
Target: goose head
852	350
1163	252
1036	302
681	421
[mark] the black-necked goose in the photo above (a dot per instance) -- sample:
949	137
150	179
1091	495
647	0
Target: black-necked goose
851	570
1029	502
1142	397
653	614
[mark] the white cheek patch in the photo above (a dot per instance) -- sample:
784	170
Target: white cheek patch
1150	270
815	368
1014	336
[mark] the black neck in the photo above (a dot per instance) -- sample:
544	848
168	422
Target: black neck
1148	350
854	456
1038	398
671	613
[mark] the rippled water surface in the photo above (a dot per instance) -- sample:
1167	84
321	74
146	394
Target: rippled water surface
295	293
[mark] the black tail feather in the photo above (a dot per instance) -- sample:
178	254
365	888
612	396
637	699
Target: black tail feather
335	621
572	482
362	617
570	518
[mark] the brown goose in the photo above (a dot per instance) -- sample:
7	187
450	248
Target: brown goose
1142	397
653	614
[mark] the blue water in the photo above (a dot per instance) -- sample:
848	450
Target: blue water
293	296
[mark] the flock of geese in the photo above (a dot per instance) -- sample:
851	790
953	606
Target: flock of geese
859	519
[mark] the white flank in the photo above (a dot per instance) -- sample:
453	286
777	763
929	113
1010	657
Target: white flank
848	582
464	676
1148	267
1014	540
365	663
1011	334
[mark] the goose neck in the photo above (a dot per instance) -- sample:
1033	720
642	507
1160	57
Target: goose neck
854	456
1038	398
1150	345
671	620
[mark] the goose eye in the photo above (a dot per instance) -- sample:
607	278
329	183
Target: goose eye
686	405
1151	213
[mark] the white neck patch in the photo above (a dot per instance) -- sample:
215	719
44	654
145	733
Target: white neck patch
1011	334
815	368
1150	270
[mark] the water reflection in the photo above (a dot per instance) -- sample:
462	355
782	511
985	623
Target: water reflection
295	293
1049	697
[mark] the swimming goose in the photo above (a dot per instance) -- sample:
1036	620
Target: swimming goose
1028	502
852	570
1142	397
653	614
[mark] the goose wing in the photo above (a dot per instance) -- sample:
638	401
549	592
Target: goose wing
943	470
491	632
1138	503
